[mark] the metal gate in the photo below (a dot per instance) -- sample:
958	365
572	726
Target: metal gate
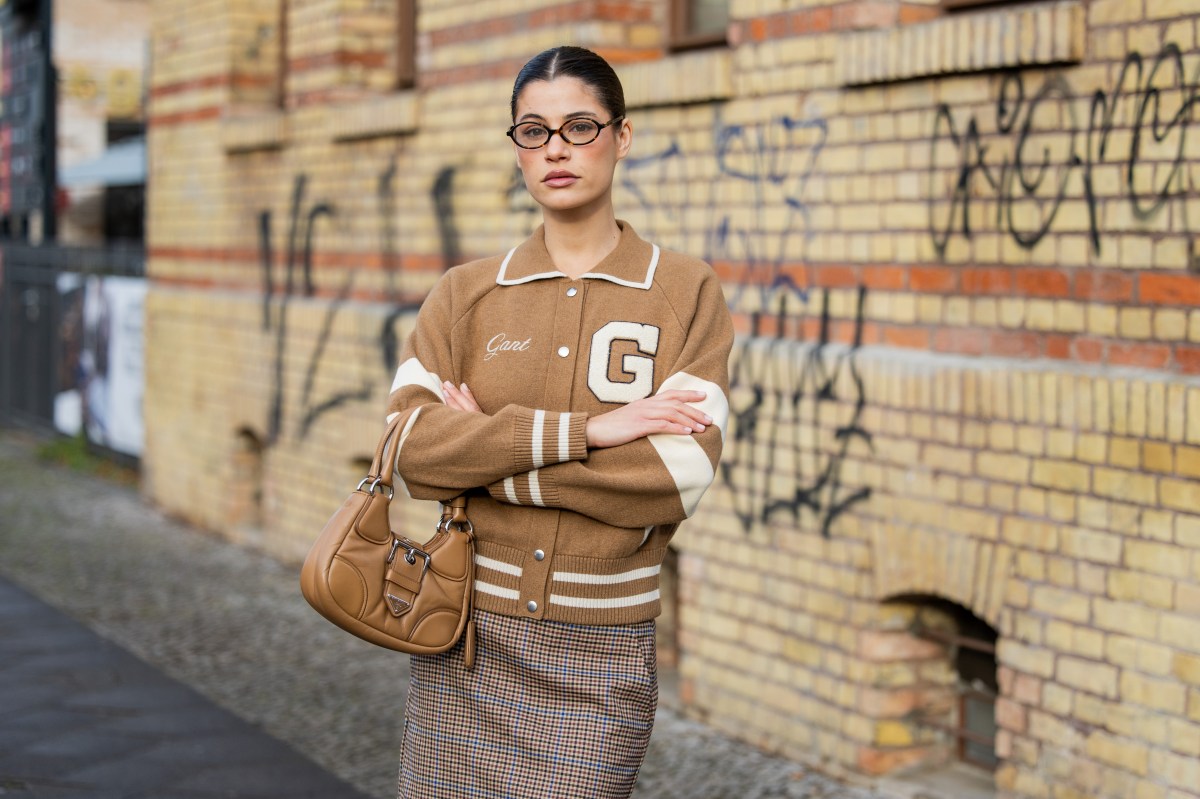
32	317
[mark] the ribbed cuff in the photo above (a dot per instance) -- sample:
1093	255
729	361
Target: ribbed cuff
543	438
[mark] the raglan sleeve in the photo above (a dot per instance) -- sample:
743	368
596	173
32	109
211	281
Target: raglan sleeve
444	451
658	479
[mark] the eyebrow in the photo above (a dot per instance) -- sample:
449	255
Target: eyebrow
572	115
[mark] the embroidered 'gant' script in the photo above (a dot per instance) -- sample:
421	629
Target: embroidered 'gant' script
502	343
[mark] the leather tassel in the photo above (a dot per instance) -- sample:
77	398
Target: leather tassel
469	645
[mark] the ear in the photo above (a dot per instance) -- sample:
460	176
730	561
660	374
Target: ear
624	139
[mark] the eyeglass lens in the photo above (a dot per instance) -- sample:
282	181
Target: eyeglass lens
575	131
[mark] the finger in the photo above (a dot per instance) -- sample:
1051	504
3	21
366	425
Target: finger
683	395
690	413
469	399
453	396
688	424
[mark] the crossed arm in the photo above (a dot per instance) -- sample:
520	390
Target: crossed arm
668	412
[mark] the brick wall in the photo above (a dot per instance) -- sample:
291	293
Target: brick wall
961	250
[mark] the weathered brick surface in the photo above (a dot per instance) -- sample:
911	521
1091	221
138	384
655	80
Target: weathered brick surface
962	373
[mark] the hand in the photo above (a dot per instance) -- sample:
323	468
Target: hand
668	412
460	398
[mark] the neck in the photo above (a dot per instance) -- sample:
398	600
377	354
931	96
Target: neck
580	239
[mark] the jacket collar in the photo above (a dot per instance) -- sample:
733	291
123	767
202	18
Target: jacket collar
631	264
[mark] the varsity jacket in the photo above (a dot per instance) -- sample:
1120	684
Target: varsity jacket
564	532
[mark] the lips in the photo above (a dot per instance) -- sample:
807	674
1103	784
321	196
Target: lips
560	178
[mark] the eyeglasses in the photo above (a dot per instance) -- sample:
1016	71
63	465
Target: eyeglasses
578	131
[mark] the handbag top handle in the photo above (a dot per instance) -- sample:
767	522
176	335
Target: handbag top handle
385	453
384	466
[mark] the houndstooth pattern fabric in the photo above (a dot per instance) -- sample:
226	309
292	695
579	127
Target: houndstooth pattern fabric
550	711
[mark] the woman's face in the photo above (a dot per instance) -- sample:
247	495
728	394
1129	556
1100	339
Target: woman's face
566	177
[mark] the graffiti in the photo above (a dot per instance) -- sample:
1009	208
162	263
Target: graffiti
310	408
443	211
1139	125
788	446
786	399
775	161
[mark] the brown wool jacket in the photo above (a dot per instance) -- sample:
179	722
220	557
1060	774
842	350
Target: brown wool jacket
564	532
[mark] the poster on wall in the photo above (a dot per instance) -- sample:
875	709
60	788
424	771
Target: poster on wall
100	378
111	362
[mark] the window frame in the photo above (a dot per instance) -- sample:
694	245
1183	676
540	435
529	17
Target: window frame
281	72
680	12
405	73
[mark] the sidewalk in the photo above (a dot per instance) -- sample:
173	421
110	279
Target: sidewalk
83	719
198	670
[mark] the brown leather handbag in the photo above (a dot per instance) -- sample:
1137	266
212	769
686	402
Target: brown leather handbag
385	588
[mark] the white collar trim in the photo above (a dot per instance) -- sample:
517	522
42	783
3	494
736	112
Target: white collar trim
645	284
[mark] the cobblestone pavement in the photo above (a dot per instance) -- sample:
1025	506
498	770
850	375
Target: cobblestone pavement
231	623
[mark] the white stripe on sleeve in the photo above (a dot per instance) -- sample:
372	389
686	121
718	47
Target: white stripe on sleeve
412	373
535	489
715	403
564	437
539	429
510	491
683	456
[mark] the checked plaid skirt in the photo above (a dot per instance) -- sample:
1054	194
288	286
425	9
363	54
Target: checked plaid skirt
550	711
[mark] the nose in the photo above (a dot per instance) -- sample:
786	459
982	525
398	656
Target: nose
557	148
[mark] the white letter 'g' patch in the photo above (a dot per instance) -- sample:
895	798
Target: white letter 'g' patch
642	369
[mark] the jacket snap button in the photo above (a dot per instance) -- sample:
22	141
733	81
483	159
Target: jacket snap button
539	554
532	606
563	352
571	292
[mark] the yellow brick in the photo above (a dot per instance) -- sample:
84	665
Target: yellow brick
1181	495
1007	468
1194	326
1150	790
1193	415
1092	448
1130	618
1002	436
1026	659
1187	460
1124	452
1061	604
1159	458
1166	695
1123	753
1063	475
1180	631
1156	558
1031	440
1187	667
1060	444
893	733
1170	325
1141	587
1126	486
1102	320
1086	675
1061	572
1135	323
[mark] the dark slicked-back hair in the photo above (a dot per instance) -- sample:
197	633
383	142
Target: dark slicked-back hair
573	62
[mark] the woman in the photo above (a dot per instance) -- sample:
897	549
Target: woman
575	389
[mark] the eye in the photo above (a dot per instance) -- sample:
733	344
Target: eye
532	129
582	126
